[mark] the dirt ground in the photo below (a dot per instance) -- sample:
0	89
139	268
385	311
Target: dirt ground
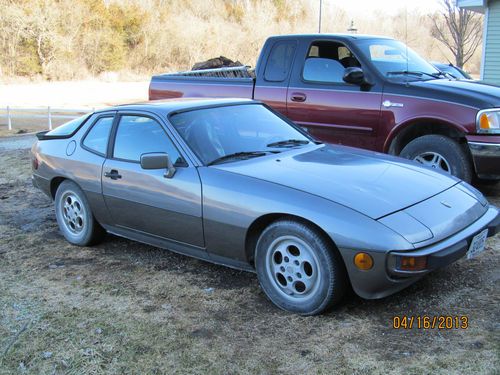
123	307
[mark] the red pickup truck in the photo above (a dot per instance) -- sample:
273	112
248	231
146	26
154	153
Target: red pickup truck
364	91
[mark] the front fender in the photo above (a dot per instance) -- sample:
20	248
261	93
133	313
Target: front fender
232	202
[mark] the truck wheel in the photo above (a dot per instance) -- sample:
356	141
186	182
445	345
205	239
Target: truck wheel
439	152
298	270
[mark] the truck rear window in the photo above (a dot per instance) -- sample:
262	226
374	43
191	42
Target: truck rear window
279	61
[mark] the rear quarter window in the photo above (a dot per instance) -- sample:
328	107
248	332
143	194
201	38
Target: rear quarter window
96	139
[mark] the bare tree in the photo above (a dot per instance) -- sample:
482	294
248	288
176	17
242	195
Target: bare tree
460	30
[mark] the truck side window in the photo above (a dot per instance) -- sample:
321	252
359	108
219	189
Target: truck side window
326	62
279	61
323	70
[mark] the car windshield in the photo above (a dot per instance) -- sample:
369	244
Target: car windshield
236	132
397	61
454	71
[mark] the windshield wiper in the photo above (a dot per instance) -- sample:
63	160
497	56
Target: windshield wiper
238	156
416	73
288	142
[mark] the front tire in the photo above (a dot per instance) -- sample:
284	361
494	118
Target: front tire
298	269
441	153
74	216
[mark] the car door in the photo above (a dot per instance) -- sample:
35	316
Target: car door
145	200
329	108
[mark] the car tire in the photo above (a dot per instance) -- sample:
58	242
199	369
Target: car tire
74	216
298	269
440	152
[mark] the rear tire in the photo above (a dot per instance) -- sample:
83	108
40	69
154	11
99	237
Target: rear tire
74	216
298	269
441	153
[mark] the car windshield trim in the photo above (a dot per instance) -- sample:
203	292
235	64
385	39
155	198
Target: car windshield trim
437	75
240	156
288	143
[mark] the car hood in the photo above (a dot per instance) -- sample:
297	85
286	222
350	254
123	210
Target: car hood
371	183
472	93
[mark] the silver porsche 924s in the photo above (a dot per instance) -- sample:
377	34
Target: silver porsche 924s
235	183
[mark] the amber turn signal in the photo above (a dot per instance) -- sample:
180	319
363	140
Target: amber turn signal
413	263
484	121
363	261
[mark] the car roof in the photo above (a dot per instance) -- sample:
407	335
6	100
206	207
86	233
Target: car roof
166	106
326	36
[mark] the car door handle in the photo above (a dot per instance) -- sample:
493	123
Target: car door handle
298	97
113	174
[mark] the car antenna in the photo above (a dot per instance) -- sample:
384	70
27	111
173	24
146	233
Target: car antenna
406	39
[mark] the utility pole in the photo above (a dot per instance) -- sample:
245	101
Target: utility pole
320	6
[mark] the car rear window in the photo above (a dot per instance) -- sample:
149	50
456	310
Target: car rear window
69	128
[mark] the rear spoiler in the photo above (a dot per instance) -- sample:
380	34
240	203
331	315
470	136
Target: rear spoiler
42	136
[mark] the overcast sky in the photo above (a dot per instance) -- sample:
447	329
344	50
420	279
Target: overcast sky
390	6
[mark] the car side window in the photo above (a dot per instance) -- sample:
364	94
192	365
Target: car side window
279	61
137	135
97	138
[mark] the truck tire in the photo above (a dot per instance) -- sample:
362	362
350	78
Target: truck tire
441	153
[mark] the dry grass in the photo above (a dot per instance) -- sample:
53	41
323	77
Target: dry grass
82	40
124	307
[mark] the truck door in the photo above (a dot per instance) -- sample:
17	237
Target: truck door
329	108
272	82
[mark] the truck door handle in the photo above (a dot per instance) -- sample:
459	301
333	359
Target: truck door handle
298	97
113	174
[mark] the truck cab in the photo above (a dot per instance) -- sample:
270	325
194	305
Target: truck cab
370	92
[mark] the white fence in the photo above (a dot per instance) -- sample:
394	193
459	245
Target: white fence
47	113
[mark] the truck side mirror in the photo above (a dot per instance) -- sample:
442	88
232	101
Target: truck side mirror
158	160
354	75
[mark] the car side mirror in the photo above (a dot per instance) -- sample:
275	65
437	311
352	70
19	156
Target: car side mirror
354	75
158	160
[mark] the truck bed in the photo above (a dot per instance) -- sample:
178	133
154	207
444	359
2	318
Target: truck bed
215	83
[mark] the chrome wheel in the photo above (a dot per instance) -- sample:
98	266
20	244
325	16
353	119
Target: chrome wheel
433	160
293	267
73	213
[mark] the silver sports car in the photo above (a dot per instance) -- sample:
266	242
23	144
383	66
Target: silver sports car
235	183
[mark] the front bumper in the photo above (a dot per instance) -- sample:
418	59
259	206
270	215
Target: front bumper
485	153
384	279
